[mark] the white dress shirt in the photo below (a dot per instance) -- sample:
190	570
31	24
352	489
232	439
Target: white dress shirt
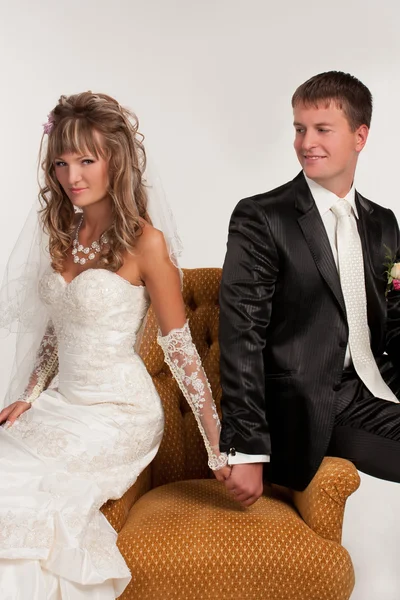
324	199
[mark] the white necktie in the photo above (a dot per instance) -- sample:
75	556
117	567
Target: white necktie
351	271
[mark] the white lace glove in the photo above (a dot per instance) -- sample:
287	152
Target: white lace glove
45	368
184	361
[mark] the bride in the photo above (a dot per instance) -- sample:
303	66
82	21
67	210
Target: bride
83	416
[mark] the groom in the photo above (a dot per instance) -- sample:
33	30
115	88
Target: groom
310	319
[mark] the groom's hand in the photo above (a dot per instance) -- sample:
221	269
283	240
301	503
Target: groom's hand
246	482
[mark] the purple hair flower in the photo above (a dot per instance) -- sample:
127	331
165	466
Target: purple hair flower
47	127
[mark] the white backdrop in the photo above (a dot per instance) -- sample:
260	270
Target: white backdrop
211	82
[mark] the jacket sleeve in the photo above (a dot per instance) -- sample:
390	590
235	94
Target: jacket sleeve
248	283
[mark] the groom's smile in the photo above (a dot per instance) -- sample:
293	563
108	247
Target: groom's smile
312	158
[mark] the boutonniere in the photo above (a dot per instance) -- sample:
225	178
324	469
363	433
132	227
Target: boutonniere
392	272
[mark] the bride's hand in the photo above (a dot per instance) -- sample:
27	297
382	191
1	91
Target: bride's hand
221	474
11	413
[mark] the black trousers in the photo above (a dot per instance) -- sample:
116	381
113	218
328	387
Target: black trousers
367	429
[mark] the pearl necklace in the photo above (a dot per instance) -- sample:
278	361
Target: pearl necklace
89	251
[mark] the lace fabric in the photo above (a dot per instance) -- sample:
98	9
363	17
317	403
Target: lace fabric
184	361
45	367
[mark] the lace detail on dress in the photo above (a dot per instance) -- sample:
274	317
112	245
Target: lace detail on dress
45	368
24	530
47	441
96	317
102	548
115	458
184	361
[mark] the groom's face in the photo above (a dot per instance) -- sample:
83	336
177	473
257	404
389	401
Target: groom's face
326	146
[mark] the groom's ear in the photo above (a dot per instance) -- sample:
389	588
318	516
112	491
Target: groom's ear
361	136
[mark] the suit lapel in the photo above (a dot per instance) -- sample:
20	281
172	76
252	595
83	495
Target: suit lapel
317	239
370	230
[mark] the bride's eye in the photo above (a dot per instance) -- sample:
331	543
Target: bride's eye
59	163
88	161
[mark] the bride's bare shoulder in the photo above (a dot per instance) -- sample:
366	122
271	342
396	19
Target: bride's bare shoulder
151	241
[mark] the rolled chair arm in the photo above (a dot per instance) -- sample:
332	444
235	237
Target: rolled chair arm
116	511
322	503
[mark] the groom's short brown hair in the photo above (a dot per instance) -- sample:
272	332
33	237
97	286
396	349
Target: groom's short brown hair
349	94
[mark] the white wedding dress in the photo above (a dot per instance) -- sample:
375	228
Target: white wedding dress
85	441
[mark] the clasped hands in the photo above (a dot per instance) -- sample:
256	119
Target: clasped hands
243	481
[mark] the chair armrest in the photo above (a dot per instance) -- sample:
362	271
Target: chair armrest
116	511
322	503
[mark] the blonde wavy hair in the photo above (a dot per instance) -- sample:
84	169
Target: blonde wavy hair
76	125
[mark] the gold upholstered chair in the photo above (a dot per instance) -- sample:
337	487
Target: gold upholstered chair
182	535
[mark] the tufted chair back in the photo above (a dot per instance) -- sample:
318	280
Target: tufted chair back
189	539
182	454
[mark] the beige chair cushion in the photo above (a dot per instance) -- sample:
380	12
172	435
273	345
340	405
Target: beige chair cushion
190	540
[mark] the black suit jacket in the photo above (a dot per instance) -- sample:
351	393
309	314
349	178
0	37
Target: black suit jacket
283	327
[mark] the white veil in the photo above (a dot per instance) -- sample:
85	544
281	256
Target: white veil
21	309
161	214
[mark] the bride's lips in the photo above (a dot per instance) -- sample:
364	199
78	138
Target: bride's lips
77	190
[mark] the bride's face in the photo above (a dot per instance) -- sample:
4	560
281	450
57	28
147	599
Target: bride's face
84	178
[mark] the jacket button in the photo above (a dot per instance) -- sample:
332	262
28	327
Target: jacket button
342	344
336	387
232	451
